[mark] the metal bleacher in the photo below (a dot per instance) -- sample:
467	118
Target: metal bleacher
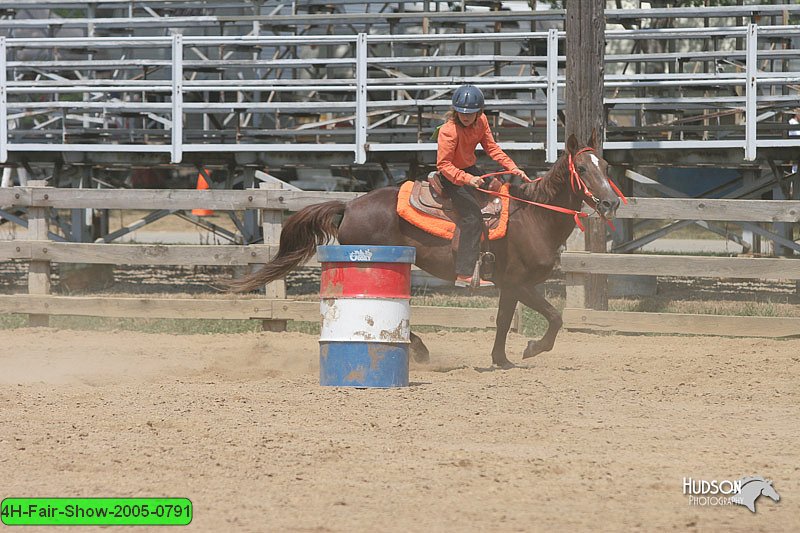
117	83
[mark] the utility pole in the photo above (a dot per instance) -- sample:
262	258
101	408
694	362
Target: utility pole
585	26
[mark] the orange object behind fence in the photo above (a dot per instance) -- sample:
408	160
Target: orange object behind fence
202	185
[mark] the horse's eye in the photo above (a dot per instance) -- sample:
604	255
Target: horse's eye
581	169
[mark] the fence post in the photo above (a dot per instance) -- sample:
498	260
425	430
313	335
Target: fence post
3	104
38	271
250	216
585	26
361	99
177	97
751	93
576	291
271	224
551	140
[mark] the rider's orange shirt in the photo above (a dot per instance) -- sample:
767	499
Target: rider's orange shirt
456	149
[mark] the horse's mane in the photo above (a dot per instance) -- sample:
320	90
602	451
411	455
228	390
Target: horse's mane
746	480
546	189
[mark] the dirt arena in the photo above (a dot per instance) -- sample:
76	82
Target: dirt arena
596	435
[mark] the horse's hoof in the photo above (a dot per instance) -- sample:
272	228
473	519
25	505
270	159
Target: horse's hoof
532	351
420	352
421	356
504	364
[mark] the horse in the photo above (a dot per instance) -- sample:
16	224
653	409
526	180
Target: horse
752	488
524	258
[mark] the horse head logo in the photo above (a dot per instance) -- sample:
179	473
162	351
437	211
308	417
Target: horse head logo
752	488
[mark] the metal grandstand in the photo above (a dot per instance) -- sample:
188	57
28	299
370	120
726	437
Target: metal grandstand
347	94
369	81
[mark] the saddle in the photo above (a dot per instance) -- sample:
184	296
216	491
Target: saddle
424	204
428	197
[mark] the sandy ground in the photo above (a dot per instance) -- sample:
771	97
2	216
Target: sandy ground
596	435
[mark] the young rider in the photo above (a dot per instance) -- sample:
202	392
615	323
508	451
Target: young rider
465	127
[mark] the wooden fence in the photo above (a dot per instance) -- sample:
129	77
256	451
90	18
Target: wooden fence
274	307
578	265
41	252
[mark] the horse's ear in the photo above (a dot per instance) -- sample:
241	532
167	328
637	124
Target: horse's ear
593	140
572	144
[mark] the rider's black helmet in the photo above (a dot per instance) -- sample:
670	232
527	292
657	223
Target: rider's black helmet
468	99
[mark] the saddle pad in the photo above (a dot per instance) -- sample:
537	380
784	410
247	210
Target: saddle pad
440	227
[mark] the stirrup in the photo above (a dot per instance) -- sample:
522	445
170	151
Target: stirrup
487	261
476	275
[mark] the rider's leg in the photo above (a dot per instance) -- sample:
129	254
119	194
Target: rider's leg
471	226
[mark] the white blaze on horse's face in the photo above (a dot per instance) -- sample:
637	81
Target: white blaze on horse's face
605	198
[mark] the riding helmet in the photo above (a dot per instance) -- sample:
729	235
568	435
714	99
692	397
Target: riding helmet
468	99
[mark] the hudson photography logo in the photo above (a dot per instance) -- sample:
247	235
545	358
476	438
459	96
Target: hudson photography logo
744	491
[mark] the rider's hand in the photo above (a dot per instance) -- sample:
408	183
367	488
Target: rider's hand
521	173
475	181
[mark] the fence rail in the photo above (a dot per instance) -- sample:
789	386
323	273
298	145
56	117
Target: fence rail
682	324
230	200
223	309
578	265
141	13
41	252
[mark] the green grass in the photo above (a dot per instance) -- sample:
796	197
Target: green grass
455	300
533	324
692	307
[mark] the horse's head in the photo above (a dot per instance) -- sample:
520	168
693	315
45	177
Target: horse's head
589	177
768	490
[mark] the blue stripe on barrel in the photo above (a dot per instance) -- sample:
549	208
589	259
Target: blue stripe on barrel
365	315
354	253
363	364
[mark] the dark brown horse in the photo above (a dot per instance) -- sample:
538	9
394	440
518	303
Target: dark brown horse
524	258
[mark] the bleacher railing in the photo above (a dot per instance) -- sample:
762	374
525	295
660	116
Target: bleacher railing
382	93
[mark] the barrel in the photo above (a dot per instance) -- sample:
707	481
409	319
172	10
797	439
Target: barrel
364	303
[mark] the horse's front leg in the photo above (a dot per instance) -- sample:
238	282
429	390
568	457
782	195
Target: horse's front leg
531	297
505	314
419	351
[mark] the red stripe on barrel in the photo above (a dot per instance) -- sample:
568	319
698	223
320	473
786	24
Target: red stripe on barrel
365	280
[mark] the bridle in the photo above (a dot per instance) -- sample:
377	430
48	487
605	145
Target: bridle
578	187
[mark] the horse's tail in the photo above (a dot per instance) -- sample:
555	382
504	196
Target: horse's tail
301	233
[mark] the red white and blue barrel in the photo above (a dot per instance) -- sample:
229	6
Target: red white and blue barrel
365	292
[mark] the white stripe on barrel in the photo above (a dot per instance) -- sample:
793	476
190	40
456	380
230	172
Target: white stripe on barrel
365	319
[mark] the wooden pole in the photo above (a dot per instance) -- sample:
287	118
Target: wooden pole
585	27
38	271
272	223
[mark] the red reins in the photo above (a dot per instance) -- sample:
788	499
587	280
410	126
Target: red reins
526	178
577	184
577	215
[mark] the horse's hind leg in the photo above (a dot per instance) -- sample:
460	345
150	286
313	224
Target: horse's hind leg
505	314
419	351
531	297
